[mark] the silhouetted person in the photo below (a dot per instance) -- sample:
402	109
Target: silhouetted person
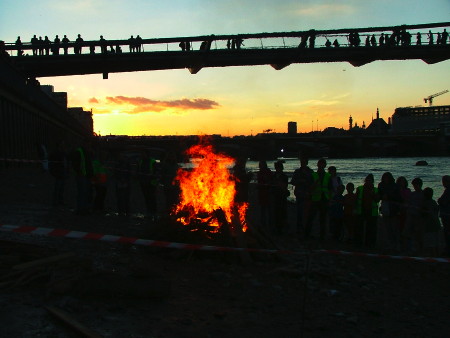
264	180
132	43
58	167
82	167
229	44
430	38
19	46
169	170
444	37
373	40
302	180
335	43
303	41
91	48
118	49
280	194
381	41
312	39
438	39
188	45
418	39
320	197
55	48
328	44
78	44
40	45
47	44
65	44
138	44
103	45
444	212
182	45
367	41
239	42
34	45
148	181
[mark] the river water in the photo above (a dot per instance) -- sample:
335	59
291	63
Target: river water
355	170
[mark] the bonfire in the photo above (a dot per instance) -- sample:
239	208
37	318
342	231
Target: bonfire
207	193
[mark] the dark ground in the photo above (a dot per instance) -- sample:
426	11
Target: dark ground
120	290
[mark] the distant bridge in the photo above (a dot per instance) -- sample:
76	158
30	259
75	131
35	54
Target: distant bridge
427	42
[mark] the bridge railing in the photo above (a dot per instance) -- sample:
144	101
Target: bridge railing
405	35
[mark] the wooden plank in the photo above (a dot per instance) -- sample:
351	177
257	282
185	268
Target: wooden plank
74	324
43	261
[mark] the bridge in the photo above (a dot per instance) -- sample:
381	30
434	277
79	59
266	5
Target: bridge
44	58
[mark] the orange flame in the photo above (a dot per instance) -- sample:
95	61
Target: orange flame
208	187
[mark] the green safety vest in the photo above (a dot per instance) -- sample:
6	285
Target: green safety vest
100	172
152	162
360	192
320	188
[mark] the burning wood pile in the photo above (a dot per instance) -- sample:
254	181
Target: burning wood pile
207	199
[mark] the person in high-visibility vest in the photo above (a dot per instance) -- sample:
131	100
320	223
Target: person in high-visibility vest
149	180
367	211
82	166
320	197
99	180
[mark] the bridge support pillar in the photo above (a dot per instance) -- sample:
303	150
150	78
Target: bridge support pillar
105	76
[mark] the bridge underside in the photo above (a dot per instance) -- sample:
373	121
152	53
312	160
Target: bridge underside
278	58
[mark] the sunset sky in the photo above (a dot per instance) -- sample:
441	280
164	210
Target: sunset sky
233	100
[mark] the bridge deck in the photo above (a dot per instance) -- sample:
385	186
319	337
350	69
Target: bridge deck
276	49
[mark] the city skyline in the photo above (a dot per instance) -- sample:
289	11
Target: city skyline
234	100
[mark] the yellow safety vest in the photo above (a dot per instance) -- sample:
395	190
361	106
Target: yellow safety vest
320	188
359	192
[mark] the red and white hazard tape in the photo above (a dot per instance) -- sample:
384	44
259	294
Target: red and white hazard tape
406	258
183	246
122	239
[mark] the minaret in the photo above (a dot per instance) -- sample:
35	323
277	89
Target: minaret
350	123
378	113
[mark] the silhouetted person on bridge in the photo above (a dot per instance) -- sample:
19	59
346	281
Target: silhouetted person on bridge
182	45
103	45
65	44
47	44
438	39
303	41
312	39
55	48
328	44
418	39
444	37
335	43
118	49
132	43
430	38
41	46
19	46
34	45
138	44
373	40
78	44
367	41
381	40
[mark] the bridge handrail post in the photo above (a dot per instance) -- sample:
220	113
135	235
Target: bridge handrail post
262	46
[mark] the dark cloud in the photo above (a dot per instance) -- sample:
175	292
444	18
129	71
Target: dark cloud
143	104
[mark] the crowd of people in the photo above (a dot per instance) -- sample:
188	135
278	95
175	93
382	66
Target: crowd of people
398	37
410	219
96	171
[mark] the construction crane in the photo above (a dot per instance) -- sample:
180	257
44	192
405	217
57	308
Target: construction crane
431	97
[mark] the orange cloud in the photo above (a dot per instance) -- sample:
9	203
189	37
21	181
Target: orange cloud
143	104
93	100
